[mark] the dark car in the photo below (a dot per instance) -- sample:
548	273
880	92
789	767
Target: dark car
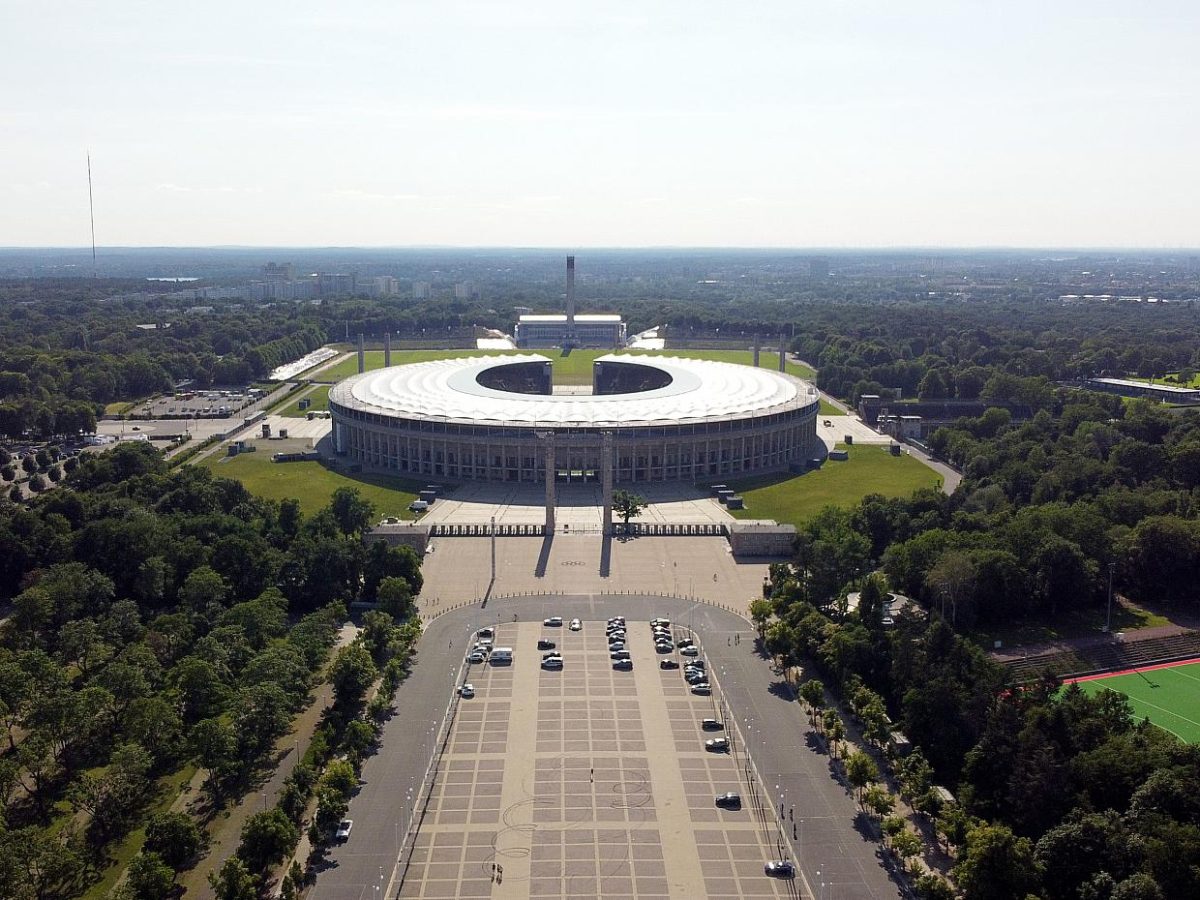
623	664
717	745
545	645
729	800
663	647
712	725
780	868
668	664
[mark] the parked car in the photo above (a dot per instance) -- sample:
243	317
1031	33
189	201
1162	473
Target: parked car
703	688
343	830
552	662
623	665
467	691
689	651
780	868
668	664
476	657
712	725
717	745
729	800
545	645
553	621
576	624
616	645
663	646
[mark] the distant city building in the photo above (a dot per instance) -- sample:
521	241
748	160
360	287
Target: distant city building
337	284
591	330
279	271
465	290
1164	393
421	290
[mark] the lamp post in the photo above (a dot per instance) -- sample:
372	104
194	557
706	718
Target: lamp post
1108	619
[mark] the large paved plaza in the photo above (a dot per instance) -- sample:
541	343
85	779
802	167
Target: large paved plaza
587	782
594	782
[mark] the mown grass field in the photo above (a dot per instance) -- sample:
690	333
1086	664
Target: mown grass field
312	483
1169	696
291	407
797	498
574	368
1194	383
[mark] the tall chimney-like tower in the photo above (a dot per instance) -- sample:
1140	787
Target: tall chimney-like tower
570	299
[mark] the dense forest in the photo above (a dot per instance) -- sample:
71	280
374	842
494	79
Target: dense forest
1061	795
162	621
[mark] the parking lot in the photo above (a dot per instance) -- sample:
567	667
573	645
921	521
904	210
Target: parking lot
588	782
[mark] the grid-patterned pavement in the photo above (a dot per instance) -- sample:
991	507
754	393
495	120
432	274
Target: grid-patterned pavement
586	782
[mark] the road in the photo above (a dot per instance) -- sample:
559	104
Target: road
829	845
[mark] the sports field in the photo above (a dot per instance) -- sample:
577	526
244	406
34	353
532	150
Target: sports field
1168	695
573	368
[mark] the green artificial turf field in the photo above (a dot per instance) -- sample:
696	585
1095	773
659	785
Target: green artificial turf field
1169	696
797	498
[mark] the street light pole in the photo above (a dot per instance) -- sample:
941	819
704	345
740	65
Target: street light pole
1108	620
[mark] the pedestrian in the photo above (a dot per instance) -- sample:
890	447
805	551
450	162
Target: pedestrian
451	644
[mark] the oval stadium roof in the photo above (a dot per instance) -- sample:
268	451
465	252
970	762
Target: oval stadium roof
447	390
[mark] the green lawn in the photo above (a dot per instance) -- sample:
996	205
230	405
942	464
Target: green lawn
828	409
797	498
312	483
574	368
291	407
1168	697
1194	383
1068	624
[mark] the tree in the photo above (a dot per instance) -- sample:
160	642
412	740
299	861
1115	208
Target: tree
267	838
627	505
352	673
395	598
996	865
861	771
812	692
879	800
952	581
760	612
906	845
175	837
233	881
149	877
352	513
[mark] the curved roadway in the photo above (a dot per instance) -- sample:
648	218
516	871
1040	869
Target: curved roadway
829	841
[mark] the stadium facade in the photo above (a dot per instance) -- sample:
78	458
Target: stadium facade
647	419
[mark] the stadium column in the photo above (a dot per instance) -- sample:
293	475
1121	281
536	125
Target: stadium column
782	354
387	348
362	359
606	480
547	438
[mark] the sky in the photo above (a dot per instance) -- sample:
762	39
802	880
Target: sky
780	123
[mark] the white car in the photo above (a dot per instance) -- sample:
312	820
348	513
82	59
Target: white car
552	662
343	830
476	657
553	621
576	625
467	691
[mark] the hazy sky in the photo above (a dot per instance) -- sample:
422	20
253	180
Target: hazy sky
790	123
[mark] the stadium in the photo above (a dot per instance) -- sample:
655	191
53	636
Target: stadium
645	419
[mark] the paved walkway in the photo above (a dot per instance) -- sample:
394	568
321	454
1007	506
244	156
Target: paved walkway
574	718
458	568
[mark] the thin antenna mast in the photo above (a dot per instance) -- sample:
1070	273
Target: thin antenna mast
91	213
